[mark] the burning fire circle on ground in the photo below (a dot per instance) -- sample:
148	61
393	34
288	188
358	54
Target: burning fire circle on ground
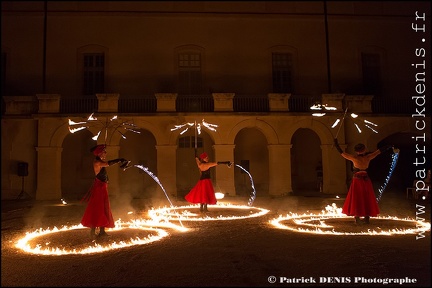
333	222
76	239
216	212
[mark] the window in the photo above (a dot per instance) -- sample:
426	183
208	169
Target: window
282	70
94	73
189	72
371	72
189	142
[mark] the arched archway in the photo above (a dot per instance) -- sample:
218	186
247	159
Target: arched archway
76	165
251	153
140	149
306	156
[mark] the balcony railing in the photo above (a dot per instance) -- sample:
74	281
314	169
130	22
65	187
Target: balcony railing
145	104
78	105
194	103
25	105
250	103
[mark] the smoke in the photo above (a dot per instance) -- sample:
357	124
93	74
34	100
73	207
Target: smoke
46	214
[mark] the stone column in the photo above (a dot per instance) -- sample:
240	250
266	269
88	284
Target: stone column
279	169
278	101
224	175
334	170
223	101
166	102
48	173
108	102
166	167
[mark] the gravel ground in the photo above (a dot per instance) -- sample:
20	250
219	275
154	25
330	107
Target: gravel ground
241	252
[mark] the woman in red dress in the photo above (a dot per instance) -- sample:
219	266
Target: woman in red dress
203	192
98	211
361	200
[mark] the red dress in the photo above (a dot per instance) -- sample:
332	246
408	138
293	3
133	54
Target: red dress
361	200
98	211
203	191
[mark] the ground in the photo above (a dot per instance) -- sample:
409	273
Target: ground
242	252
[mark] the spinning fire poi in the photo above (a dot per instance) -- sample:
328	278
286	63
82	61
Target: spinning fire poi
113	124
361	162
212	127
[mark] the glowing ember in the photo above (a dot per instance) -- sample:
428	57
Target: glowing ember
332	222
395	157
155	178
253	193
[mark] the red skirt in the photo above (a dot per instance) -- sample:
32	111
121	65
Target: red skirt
202	192
361	200
98	211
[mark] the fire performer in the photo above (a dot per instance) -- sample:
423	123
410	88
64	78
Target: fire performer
203	192
98	212
361	200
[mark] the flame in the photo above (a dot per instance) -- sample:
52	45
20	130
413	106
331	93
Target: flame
159	218
316	223
96	136
73	130
91	118
321	107
209	126
335	123
358	128
185	213
113	123
75	123
318	114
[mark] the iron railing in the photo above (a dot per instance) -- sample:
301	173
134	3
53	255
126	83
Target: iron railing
241	103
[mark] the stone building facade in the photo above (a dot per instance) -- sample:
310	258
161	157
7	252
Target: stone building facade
341	54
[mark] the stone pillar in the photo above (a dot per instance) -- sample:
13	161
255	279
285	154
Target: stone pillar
334	170
49	103
279	169
223	101
333	100
48	173
166	167
224	174
278	101
166	102
359	103
114	189
108	102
